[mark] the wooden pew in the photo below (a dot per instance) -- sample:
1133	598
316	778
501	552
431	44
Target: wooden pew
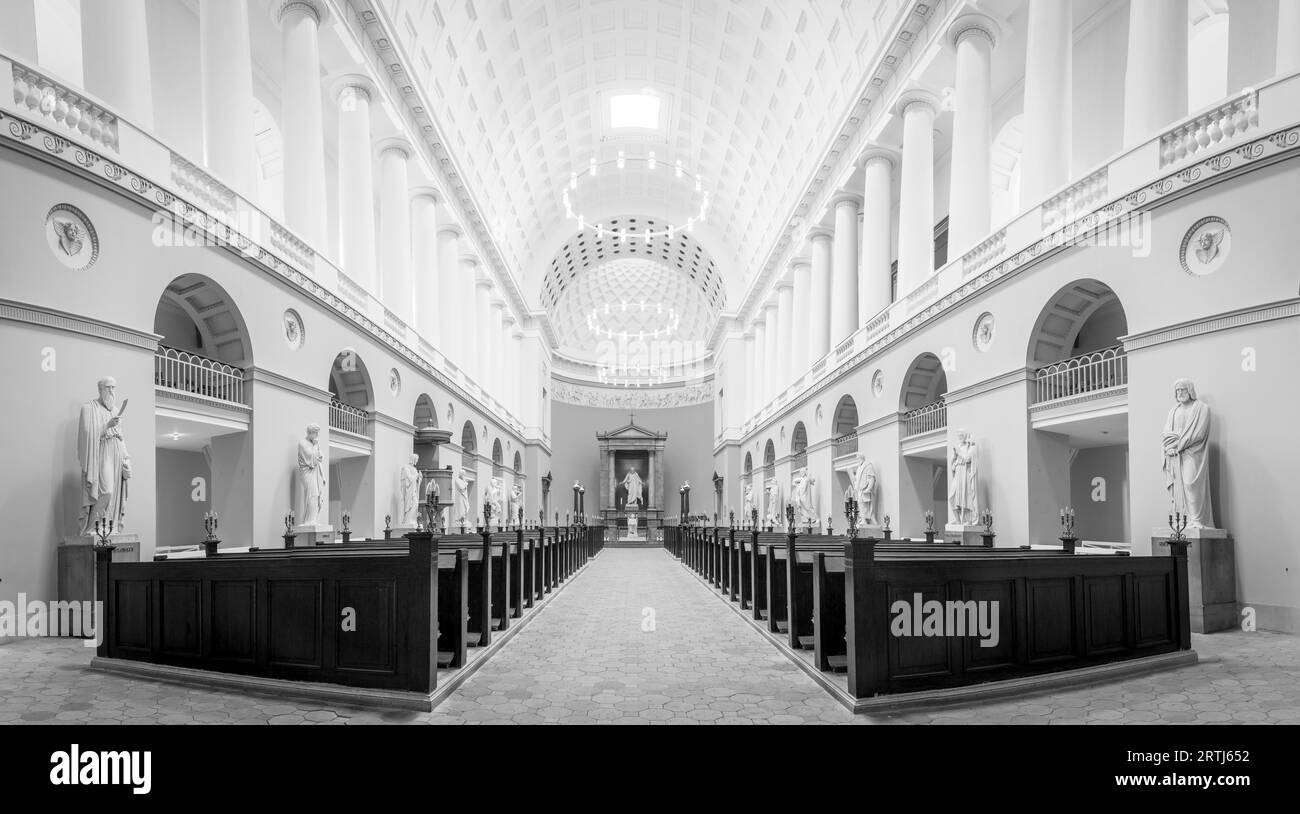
453	607
479	581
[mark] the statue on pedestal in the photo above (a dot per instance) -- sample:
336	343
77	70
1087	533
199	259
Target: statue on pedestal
105	463
1187	456
633	483
461	486
311	473
747	504
864	490
801	495
516	501
963	482
775	510
410	495
494	498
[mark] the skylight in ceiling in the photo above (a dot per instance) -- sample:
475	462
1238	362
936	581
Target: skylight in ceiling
639	110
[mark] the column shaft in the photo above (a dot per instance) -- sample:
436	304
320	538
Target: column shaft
424	263
759	379
302	125
772	354
819	306
1288	37
1048	105
452	302
873	287
801	271
1155	84
226	56
18	34
1252	41
395	232
971	191
115	57
916	196
356	185
844	270
785	341
482	311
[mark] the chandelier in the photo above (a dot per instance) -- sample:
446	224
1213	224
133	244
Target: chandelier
652	165
665	327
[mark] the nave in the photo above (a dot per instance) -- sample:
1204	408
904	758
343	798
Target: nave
585	659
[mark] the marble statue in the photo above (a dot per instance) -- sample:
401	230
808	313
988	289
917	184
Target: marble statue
633	483
775	510
747	504
963	482
461	488
1187	456
311	474
516	502
410	495
864	490
804	499
494	498
105	463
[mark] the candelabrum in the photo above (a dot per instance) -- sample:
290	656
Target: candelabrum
929	527
884	528
521	516
487	517
753	519
851	514
345	520
789	516
388	527
1177	524
731	516
1068	540
289	522
986	517
210	526
103	533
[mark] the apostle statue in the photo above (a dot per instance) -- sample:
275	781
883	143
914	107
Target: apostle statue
105	464
801	495
461	487
311	473
747	504
963	482
494	498
864	490
775	516
633	483
410	478
1187	456
516	501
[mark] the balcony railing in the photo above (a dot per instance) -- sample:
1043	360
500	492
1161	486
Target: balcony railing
186	372
846	444
1100	370
925	419
348	418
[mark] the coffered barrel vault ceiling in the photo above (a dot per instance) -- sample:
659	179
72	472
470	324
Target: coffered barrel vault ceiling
750	95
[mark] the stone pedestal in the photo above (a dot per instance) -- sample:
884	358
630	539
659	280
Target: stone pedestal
76	564
873	532
318	534
963	534
1211	577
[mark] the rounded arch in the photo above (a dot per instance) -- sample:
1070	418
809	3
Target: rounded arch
195	315
1082	317
769	455
799	439
497	456
519	462
349	380
426	415
846	416
924	383
468	439
749	463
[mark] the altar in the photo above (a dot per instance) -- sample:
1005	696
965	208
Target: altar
631	478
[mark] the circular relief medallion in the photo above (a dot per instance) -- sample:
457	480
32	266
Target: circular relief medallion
982	336
394	381
878	383
1205	246
294	332
71	237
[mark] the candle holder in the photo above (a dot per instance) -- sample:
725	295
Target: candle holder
1068	539
487	517
210	542
103	534
345	520
789	516
388	527
1177	524
851	515
830	519
289	522
929	527
884	528
986	517
753	519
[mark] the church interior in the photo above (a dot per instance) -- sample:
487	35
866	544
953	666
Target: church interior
527	344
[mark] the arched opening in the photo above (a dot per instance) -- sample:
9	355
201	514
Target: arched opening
469	467
350	460
769	459
923	447
1079	412
766	502
799	447
201	416
497	457
845	429
425	417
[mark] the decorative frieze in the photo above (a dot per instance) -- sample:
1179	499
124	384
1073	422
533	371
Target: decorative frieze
628	399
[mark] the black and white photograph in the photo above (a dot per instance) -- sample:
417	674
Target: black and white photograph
650	362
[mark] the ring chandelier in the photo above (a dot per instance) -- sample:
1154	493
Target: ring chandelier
619	164
667	329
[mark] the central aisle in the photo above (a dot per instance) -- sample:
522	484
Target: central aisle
586	658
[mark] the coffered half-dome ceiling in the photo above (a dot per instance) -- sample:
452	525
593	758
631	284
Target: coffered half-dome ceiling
748	97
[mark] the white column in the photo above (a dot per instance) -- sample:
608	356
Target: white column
1045	162
505	375
745	381
479	313
516	373
356	181
971	193
1288	37
115	58
226	56
785	339
758	381
844	267
395	227
302	123
877	211
1155	76
819	299
916	193
424	267
801	276
1252	47
495	327
772	353
455	294
18	34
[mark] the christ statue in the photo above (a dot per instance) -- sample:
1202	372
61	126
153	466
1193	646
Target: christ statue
105	464
632	482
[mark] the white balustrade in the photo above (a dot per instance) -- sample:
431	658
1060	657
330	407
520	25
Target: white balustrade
845	444
63	107
185	372
1208	130
1088	373
347	418
925	419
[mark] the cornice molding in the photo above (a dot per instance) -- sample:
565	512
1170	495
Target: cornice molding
395	423
1283	309
39	315
1020	375
886	420
279	381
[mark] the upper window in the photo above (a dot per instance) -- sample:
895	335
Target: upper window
634	110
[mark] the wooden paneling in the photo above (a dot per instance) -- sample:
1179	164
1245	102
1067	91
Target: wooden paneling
1051	619
131	616
294	619
180	617
372	646
232	620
